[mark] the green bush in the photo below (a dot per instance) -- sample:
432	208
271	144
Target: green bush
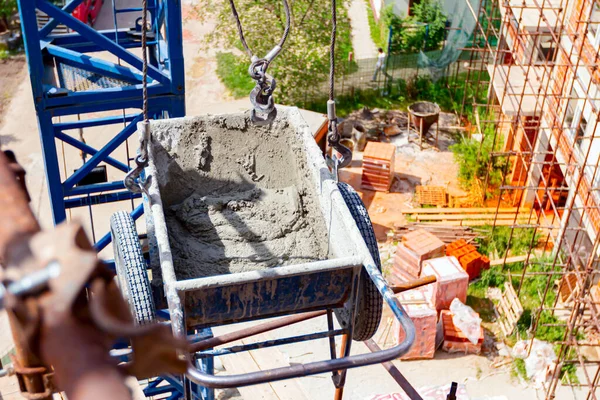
476	164
8	8
233	72
492	277
424	30
498	242
519	368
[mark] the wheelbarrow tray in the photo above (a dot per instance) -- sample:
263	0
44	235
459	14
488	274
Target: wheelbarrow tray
221	299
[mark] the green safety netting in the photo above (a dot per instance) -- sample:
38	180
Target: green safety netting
462	24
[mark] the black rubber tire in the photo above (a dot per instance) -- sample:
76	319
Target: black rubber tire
370	302
131	268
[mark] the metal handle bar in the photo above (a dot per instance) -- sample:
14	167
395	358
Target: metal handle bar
318	367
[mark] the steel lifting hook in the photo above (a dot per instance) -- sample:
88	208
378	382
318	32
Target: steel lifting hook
133	180
261	97
333	137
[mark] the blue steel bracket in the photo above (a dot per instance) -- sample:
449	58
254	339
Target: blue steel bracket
319	367
103	42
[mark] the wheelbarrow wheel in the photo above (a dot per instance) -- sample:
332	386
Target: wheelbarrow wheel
370	302
131	267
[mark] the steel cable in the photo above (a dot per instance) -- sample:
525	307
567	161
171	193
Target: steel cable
240	29
332	49
145	59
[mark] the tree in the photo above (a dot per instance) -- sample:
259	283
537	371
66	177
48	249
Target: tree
424	29
8	8
303	65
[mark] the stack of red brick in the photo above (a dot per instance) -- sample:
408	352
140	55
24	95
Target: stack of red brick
421	254
468	256
417	304
455	340
416	247
378	166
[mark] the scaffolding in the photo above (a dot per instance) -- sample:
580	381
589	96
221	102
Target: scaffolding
532	88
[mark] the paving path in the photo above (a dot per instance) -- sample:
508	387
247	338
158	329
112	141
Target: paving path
361	33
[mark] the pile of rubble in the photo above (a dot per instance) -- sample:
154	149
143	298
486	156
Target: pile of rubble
392	126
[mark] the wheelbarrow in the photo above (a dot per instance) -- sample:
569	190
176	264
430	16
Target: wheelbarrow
423	115
212	178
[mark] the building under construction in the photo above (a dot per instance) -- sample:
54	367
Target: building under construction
533	94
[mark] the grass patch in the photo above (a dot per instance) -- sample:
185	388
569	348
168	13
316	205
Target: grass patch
501	241
234	74
477	293
399	95
519	368
379	30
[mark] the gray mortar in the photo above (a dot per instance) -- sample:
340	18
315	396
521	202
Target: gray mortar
236	196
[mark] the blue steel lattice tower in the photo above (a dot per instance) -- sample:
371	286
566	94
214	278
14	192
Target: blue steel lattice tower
67	80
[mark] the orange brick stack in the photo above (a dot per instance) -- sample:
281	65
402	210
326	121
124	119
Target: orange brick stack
417	303
452	281
455	340
416	247
450	248
378	166
468	256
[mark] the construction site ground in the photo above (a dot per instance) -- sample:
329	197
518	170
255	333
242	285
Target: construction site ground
205	94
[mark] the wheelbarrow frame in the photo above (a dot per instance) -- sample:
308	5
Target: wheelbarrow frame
350	256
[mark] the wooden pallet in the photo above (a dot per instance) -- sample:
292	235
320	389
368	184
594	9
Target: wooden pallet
567	286
431	195
446	234
509	309
459	210
471	216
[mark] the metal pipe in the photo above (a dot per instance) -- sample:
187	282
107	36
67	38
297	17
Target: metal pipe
395	373
404	286
253	330
271	343
339	388
18	224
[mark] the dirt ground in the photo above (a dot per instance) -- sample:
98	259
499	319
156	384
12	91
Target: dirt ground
12	72
434	165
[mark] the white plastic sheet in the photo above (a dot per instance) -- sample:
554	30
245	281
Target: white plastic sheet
540	361
466	319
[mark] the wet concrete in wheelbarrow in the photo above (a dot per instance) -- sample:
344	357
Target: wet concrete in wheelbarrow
236	196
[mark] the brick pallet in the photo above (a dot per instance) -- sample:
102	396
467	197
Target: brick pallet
431	195
415	248
378	166
455	340
417	303
452	281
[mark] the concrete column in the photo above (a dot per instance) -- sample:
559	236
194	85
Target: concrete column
535	170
